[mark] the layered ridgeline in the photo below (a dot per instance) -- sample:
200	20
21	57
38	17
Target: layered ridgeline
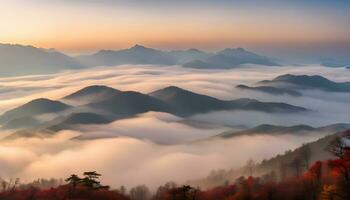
289	84
102	104
27	60
193	58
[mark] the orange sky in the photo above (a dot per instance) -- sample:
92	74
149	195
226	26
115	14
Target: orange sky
87	27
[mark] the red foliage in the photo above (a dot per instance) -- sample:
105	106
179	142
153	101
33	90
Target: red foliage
62	192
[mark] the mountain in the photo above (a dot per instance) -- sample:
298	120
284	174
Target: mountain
307	82
193	58
135	55
33	108
279	166
79	118
92	94
19	123
60	123
103	104
269	107
188	103
130	103
295	130
230	58
184	56
18	60
271	90
27	60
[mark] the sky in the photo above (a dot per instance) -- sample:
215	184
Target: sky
84	26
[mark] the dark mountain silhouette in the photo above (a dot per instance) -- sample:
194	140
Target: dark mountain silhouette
307	82
60	123
79	118
23	122
230	58
26	60
107	104
279	130
188	103
92	94
271	90
32	108
135	55
131	103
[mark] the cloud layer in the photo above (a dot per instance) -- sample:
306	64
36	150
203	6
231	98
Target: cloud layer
133	151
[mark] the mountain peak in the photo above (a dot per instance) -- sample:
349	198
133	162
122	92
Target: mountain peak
94	92
137	46
231	51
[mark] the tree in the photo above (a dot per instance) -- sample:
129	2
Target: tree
305	154
140	192
282	170
91	179
250	167
73	180
337	147
296	164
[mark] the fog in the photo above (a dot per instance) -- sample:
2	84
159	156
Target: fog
161	128
153	148
219	83
130	161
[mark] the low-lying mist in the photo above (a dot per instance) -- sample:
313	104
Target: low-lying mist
153	148
130	161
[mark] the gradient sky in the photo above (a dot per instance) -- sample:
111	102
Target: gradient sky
80	26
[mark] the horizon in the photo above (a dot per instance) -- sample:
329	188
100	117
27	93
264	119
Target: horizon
298	28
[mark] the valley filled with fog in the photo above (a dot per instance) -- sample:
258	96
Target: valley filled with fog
155	147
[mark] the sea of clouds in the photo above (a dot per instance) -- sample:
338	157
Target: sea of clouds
153	148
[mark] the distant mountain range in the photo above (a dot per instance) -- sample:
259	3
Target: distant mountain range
230	58
27	60
291	85
102	104
192	58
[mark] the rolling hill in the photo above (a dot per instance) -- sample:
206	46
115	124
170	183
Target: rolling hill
102	104
33	108
307	82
